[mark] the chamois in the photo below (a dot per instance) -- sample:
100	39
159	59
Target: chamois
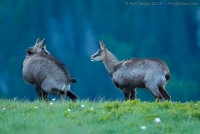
46	73
152	74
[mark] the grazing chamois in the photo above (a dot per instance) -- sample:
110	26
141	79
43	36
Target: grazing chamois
128	75
46	73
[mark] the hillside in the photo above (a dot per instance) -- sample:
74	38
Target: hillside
84	117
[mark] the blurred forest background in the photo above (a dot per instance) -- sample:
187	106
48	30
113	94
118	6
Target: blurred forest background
72	30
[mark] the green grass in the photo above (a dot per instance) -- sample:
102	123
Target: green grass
22	117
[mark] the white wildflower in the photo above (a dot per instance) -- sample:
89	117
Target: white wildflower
143	127
82	106
51	103
36	107
4	108
91	108
68	110
157	120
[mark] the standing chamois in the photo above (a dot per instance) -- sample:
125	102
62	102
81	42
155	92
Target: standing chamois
46	73
128	75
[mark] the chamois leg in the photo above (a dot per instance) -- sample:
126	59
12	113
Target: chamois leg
39	92
45	95
71	95
164	93
155	92
133	94
127	94
63	97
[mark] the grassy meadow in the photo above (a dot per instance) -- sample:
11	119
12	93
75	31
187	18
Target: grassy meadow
99	117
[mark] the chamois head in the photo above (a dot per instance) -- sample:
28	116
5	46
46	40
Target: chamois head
39	46
101	52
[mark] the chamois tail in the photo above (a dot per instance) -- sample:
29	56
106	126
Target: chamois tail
167	77
73	80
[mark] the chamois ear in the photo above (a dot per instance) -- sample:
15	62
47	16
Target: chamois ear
42	42
102	45
37	41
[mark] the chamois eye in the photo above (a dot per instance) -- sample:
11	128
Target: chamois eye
100	51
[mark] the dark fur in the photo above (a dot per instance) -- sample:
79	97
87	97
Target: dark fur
60	65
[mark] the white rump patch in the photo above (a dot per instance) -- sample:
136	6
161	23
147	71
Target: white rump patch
68	87
63	87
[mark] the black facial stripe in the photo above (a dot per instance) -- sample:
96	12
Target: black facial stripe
30	52
96	55
100	51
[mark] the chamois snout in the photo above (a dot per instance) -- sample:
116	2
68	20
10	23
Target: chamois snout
91	58
94	58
